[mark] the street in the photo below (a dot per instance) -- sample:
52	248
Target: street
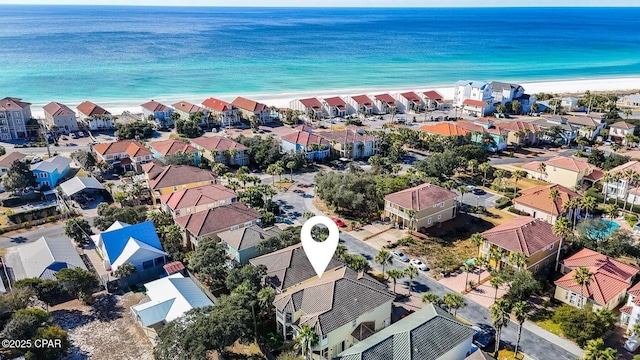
30	236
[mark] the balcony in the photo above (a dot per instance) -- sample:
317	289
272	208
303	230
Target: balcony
395	211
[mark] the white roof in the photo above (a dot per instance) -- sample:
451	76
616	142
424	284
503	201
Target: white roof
136	249
46	256
56	162
77	184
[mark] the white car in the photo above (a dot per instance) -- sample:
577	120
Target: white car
419	265
632	344
36	160
400	255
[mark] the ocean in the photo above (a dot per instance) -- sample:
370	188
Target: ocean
123	54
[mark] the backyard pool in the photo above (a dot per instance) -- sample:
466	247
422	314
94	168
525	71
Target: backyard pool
611	226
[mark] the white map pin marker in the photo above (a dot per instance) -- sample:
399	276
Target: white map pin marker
319	253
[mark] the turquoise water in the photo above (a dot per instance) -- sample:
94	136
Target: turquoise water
611	227
74	53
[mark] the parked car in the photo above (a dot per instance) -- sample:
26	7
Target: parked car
632	344
400	255
419	265
477	191
36	159
73	135
484	336
80	133
338	222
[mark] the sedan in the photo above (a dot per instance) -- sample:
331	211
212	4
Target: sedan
477	191
419	265
484	336
400	255
36	160
339	222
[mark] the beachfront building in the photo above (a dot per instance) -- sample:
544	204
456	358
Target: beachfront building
335	107
618	132
242	244
193	200
409	102
14	114
632	100
384	104
248	108
172	147
313	145
164	180
311	107
620	187
94	116
222	150
630	312
61	117
49	172
157	112
186	110
522	132
429	204
473	97
352	143
433	100
532	237
569	172
587	126
129	154
569	103
223	110
537	202
504	93
361	104
610	279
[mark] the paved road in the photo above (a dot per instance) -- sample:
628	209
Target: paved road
30	236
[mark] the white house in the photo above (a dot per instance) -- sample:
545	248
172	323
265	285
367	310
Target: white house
621	188
60	115
409	102
384	104
588	126
619	130
569	103
224	110
479	91
96	117
434	100
312	107
14	114
249	108
505	92
335	106
361	104
630	312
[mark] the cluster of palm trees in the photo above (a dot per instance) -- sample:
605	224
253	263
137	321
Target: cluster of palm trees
630	177
126	192
500	314
451	301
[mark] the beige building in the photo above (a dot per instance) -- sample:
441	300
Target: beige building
537	202
522	132
163	180
431	204
222	150
61	116
566	171
193	200
14	114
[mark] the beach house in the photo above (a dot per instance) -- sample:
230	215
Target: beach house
49	172
223	110
618	132
14	114
569	172
242	244
620	186
186	110
352	143
433	100
632	100
172	147
94	116
537	202
473	97
384	104
43	258
60	116
7	160
630	312
311	107
171	178
313	145
522	132
504	93
555	125
409	102
485	134
157	112
222	150
361	104
200	198
129	154
569	103
335	106
587	126
249	108
421	207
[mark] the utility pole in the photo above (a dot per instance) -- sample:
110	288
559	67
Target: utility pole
44	135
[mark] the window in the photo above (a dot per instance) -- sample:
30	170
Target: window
536	269
175	188
442	204
248	223
439	217
551	247
43	175
184	187
159	260
572	298
147	264
235	227
429	221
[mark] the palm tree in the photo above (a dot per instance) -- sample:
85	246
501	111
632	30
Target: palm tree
520	312
109	185
291	165
616	178
611	211
589	204
542	169
411	214
518	259
306	339
496	282
606	179
477	239
394	274
554	195
582	277
484	167
410	272
432	298
500	316
561	228
340	251
462	190
472	165
265	297
595	350
384	258
572	206
628	175
454	301
627	113
517	175
497	254
482	264
500	174
467	268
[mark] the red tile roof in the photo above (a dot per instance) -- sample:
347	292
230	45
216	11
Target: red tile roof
131	147
519	125
363	100
11	103
216	104
445	129
303	128
420	197
635	290
626	309
335	102
471	102
563	162
435	96
217	143
178	175
56	109
173	267
595	175
601	263
522	234
386	98
602	288
633	165
90	109
538	198
304	138
152	169
248	105
155	106
217	219
622	125
188	107
411	96
313	103
172	146
201	195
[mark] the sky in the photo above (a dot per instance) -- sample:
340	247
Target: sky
334	3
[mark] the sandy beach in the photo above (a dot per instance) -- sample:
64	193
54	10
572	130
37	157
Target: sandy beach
117	107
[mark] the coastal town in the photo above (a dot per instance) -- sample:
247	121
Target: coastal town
496	224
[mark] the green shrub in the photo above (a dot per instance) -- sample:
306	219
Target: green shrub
518	212
503	203
405	241
25	225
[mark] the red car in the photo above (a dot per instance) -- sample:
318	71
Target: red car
338	222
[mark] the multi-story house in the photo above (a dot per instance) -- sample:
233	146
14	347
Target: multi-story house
620	187
588	126
242	244
492	138
311	107
567	132
608	284
222	150
96	117
537	202
249	108
619	131
7	160
569	172
186	110
421	207
223	110
170	147
49	172
569	103
532	237
60	116
352	143
478	92
384	104
409	102
160	113
171	178
335	106
361	104
193	200
433	100
129	154
522	132
503	93
313	145
14	114
630	312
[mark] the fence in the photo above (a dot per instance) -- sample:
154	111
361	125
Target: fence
138	277
201	286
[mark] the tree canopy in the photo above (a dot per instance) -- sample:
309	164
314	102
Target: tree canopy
209	261
583	324
262	151
188	128
79	230
107	215
141	129
19	177
287	237
78	282
596	235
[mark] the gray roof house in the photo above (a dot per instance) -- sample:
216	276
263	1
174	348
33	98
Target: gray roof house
428	334
43	258
242	244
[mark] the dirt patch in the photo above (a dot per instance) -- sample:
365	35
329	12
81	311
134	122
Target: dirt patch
498	217
104	330
526	183
322	207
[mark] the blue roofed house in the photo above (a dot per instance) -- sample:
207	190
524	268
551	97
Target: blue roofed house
169	298
43	258
137	244
50	171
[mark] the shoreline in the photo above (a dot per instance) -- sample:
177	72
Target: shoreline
282	99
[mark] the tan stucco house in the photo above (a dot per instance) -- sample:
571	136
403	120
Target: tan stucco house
566	171
430	203
537	202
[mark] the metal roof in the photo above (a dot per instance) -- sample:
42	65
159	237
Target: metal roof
46	256
77	184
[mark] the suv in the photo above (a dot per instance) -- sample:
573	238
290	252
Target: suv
484	335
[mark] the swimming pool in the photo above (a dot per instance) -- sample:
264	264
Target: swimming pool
611	227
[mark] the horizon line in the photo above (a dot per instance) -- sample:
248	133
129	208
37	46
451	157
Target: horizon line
327	7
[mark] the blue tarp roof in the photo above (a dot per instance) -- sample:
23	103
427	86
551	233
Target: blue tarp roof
115	240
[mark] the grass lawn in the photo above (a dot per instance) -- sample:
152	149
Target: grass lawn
542	318
497	216
507	354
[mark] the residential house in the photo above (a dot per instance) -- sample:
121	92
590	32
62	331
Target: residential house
80	184
43	258
242	244
160	113
630	312
171	178
8	159
361	104
168	299
222	110
60	116
341	307
136	244
619	130
96	117
526	100
193	200
537	202
14	114
610	279
430	204
569	103
569	172
532	237
162	149
249	108
352	143
290	267
445	129
311	107
434	100
558	125
211	222
492	138
49	172
430	333
588	126
313	145
522	132
385	104
619	186
222	150
409	102
630	100
478	92
335	106
129	154
504	93
186	109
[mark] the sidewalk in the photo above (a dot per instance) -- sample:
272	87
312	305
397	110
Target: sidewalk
568	345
